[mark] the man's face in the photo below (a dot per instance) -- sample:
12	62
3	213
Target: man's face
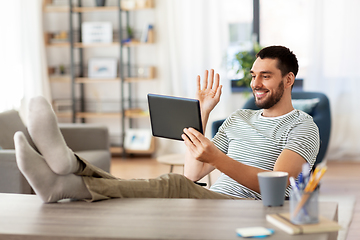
267	83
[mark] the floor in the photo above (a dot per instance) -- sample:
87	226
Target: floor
341	178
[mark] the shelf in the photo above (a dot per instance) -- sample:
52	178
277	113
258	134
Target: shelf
66	9
136	5
59	78
97	45
95	9
136	113
139	5
50	8
134	79
131	113
134	43
98	115
67	78
63	114
64	44
95	80
102	80
150	75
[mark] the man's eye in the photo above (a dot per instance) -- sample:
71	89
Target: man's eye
252	76
266	76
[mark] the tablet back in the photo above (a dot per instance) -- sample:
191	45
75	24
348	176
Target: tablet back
170	115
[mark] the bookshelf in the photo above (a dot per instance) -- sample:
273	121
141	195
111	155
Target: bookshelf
77	79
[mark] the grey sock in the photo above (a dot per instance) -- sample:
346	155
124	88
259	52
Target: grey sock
44	131
50	186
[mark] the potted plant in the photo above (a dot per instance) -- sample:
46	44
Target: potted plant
62	69
242	63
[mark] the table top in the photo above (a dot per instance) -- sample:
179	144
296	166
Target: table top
26	217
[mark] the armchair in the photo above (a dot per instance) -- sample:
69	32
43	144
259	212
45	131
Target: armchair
88	141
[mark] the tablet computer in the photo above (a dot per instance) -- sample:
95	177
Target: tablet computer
170	115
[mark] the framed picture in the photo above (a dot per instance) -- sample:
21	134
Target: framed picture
97	32
102	68
138	139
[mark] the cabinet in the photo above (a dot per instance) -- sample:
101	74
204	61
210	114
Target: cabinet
103	95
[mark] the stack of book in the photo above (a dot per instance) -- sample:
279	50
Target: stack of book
282	221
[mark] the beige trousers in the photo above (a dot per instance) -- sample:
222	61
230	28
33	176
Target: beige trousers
103	185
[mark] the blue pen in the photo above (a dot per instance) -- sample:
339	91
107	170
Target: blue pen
301	182
295	188
306	173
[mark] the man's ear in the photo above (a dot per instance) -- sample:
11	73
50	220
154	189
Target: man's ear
289	79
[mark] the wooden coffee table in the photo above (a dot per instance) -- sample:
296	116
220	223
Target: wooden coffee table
26	217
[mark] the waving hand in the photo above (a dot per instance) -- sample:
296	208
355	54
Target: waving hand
209	93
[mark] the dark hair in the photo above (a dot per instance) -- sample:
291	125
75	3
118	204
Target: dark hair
287	61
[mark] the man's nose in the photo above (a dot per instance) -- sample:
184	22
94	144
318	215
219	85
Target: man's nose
256	82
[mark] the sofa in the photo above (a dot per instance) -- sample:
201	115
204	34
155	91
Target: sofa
88	141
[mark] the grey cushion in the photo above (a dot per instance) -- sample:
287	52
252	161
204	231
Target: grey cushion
10	123
11	179
306	105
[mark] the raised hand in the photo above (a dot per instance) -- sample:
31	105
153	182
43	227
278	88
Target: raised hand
209	93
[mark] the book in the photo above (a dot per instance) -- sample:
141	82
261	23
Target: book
147	35
282	221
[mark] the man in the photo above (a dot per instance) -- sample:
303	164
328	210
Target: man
276	138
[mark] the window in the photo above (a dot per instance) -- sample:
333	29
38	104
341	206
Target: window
11	89
239	16
287	23
282	22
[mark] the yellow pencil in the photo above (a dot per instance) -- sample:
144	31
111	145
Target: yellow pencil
317	180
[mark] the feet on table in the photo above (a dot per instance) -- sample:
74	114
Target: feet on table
49	185
45	133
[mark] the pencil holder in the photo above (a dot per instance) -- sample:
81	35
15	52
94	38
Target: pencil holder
304	207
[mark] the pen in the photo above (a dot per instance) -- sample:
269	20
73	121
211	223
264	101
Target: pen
301	182
296	191
305	172
295	188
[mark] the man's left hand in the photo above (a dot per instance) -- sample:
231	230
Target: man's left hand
201	148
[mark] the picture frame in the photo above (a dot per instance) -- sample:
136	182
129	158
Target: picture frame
96	32
102	68
138	139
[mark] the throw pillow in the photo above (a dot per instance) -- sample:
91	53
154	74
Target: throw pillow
306	105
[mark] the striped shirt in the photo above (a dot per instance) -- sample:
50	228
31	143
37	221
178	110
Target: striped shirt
248	137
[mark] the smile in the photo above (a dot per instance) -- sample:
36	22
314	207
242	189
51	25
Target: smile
260	94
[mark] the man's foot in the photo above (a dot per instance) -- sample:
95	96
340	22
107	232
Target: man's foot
47	184
45	133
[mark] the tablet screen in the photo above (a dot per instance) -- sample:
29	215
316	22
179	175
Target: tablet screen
170	115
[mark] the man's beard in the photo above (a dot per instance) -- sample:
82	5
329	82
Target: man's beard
272	99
